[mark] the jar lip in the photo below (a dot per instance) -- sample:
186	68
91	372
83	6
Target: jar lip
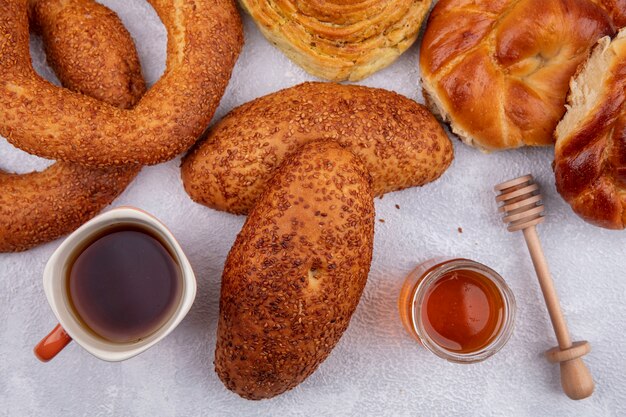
436	272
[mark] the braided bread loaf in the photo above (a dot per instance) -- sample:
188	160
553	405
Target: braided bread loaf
498	71
590	153
616	9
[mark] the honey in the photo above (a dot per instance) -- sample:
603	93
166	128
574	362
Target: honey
463	311
459	309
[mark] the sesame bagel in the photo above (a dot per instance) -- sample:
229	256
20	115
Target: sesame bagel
39	207
204	39
91	52
89	49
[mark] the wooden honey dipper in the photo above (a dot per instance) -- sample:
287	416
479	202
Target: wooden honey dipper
523	210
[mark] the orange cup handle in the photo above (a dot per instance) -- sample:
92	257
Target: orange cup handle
52	344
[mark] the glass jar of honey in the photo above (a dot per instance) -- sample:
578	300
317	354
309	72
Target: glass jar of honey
459	309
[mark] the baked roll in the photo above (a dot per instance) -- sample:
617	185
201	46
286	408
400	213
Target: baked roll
296	272
590	153
616	9
337	39
498	71
400	142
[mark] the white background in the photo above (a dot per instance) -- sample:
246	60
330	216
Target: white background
376	369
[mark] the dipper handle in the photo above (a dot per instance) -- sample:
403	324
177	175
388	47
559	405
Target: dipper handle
523	211
576	379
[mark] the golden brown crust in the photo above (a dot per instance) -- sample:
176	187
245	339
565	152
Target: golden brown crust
616	9
400	142
590	153
103	70
498	71
41	206
204	39
295	273
339	40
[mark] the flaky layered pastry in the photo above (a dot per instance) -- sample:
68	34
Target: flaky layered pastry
590	153
338	39
498	71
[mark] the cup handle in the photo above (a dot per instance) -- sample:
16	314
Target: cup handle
52	344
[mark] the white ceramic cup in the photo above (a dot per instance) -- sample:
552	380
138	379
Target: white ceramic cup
70	327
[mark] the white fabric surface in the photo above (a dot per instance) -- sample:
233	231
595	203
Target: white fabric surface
376	369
